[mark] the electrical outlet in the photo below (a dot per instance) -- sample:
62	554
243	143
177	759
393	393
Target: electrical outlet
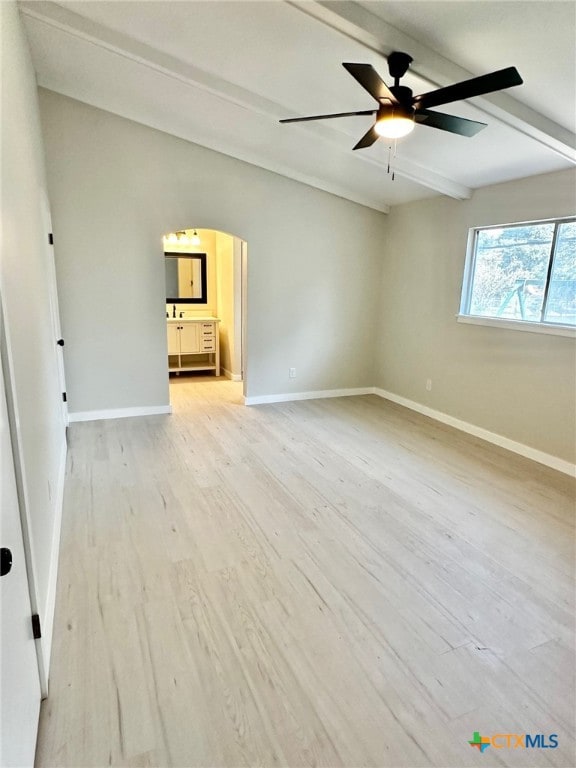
429	385
292	373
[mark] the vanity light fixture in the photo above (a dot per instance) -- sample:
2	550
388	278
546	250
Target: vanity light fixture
181	238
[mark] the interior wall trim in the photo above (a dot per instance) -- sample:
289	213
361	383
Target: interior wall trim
231	376
120	413
314	395
503	442
48	618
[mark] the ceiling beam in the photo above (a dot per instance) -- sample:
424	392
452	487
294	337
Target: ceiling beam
422	175
53	15
401	166
61	18
359	24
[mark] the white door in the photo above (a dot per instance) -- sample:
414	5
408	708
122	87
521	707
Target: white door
189	339
173	339
19	679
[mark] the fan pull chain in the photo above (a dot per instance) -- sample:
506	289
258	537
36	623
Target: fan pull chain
391	158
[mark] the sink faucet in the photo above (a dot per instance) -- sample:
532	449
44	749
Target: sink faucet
173	310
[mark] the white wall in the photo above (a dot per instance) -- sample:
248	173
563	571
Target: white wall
519	385
29	348
116	187
315	281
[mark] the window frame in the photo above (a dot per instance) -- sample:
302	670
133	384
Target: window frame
533	326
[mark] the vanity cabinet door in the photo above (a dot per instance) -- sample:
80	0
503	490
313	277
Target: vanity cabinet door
189	339
173	339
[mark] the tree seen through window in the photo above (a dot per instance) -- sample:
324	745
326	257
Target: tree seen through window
526	272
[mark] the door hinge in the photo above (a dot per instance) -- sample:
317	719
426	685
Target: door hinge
64	397
36	631
50	238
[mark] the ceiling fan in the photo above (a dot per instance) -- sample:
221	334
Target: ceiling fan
398	110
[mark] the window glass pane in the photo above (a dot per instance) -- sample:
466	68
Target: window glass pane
510	271
561	303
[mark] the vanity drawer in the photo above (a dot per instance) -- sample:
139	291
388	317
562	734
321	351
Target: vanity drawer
207	337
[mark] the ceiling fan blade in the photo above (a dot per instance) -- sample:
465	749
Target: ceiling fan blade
368	139
467	89
327	117
369	79
451	123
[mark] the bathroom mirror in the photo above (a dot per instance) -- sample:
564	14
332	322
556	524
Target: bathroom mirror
185	278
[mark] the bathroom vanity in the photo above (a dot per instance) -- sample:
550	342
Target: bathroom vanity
193	344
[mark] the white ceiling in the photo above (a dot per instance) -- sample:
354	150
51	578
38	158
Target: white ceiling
223	73
537	37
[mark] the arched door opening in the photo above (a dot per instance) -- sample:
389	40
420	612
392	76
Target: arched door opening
205	273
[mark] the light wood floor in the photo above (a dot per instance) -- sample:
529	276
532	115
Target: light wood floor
323	583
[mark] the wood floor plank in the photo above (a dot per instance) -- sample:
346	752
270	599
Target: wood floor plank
334	583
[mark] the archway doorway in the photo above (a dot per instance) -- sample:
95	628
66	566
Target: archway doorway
205	271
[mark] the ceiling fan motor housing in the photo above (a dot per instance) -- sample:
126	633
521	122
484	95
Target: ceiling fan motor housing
389	111
398	64
403	94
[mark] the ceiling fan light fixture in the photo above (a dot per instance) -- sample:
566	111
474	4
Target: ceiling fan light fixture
398	108
394	126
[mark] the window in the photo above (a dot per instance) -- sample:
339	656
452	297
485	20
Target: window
523	273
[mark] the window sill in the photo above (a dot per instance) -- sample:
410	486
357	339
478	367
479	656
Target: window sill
519	325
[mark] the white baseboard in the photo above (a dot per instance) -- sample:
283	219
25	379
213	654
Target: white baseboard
314	395
231	376
47	623
120	413
504	442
